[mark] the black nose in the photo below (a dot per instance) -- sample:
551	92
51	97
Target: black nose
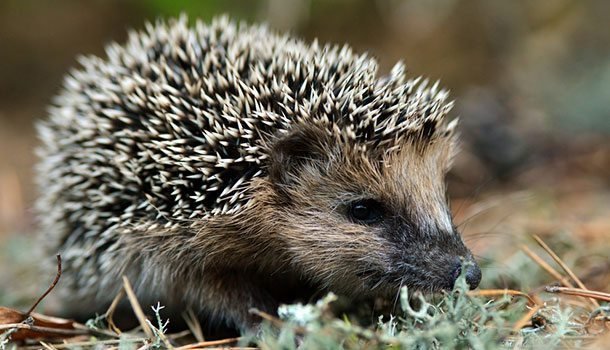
473	274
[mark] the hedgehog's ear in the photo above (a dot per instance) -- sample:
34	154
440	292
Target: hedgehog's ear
291	154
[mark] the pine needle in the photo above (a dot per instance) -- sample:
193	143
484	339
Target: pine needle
563	266
137	309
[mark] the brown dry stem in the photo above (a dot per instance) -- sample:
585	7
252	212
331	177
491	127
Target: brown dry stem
563	266
137	309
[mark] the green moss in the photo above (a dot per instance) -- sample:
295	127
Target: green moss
454	321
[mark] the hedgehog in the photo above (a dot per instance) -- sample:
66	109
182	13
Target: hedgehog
224	166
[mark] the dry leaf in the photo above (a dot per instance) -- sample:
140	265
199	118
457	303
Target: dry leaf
42	326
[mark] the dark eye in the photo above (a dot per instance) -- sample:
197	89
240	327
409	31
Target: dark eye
365	211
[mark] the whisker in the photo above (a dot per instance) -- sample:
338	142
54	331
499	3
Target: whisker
376	285
402	280
494	203
482	234
474	193
483	259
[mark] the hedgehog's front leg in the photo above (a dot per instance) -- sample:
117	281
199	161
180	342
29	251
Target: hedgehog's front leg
229	295
204	271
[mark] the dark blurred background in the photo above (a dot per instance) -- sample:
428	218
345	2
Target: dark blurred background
531	80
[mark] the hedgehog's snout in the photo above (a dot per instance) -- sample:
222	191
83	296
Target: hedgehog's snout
434	262
461	262
472	274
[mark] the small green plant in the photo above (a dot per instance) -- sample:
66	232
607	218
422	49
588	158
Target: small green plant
160	341
457	320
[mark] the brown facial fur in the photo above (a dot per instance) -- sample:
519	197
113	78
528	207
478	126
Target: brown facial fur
324	245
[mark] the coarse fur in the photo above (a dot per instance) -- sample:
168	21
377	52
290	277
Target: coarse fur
215	167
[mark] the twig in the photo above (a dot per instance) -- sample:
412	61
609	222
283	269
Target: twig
159	331
209	343
548	268
605	319
193	323
265	316
275	321
179	335
47	346
579	292
501	292
57	276
137	309
95	342
95	331
526	318
112	308
48	330
563	266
